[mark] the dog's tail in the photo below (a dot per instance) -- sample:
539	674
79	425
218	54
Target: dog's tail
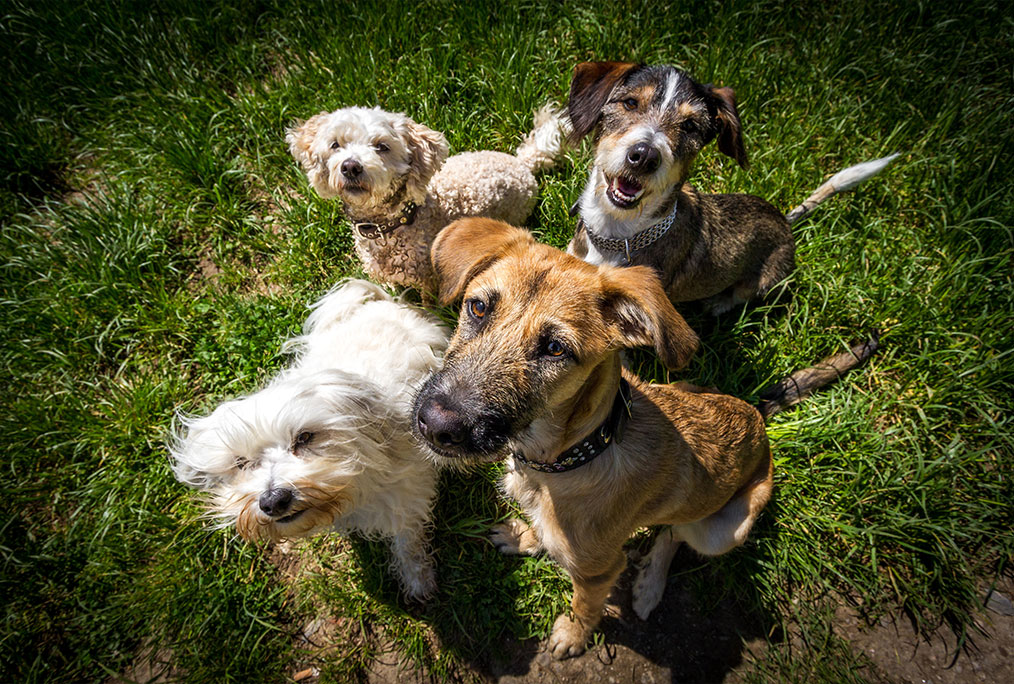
546	141
801	384
846	179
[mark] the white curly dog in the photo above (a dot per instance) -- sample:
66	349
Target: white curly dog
327	444
399	188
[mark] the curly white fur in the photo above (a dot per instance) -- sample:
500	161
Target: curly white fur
377	161
327	443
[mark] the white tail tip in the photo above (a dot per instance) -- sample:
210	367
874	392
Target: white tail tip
846	179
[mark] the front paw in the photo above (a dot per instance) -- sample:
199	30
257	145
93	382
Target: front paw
568	638
508	537
422	584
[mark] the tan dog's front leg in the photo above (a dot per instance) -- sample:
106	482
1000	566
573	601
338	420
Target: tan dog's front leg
571	632
515	537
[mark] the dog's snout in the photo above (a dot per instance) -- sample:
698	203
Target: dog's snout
276	501
441	426
643	157
351	169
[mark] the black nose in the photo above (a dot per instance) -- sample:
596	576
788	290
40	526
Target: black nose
351	169
275	501
440	426
643	157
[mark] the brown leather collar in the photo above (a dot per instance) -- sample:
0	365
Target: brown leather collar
376	231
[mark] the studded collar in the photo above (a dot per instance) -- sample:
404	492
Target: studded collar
635	242
378	231
585	450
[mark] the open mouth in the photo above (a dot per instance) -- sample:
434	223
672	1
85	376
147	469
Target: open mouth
624	193
292	516
353	188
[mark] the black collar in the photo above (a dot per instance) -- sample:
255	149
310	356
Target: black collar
375	231
585	450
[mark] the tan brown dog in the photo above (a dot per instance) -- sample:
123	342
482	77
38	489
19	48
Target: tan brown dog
533	372
649	124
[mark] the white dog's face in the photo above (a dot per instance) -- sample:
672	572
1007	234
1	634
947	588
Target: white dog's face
368	157
283	462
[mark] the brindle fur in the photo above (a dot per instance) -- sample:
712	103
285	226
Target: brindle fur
722	248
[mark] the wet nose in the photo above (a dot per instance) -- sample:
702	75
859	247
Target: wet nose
642	157
275	501
440	426
351	169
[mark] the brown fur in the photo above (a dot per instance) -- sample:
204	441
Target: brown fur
692	459
725	249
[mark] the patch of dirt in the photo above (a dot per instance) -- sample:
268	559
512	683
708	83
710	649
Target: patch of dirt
899	652
150	666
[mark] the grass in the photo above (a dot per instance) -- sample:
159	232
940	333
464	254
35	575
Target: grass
158	244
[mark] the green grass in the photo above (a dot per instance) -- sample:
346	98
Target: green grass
158	244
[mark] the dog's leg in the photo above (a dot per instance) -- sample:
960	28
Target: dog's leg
515	537
651	577
727	528
571	632
413	563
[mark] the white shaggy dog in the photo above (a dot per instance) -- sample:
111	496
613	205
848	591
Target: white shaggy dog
328	443
398	191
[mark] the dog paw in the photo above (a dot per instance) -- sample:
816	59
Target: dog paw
421	585
648	589
568	638
508	537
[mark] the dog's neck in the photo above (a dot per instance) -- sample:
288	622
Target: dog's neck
574	418
386	211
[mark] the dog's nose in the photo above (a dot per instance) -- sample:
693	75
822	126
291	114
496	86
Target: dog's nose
351	169
442	427
643	157
275	501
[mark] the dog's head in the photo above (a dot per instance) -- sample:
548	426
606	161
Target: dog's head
368	157
284	462
649	123
537	339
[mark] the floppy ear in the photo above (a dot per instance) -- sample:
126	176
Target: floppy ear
637	309
466	248
429	150
589	88
730	136
300	138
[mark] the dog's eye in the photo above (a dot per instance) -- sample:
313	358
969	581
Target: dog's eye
477	308
555	348
630	104
380	147
335	145
302	439
689	126
241	463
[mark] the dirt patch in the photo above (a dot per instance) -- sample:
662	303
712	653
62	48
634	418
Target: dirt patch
896	649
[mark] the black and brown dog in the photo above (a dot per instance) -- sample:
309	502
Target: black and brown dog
649	124
533	375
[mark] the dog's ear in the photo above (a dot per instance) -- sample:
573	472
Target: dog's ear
730	134
429	150
300	138
466	248
637	309
589	88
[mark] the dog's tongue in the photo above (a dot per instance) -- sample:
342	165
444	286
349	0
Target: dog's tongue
628	187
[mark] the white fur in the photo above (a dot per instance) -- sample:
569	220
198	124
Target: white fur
358	363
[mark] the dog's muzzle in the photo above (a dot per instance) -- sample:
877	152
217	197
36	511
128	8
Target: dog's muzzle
454	429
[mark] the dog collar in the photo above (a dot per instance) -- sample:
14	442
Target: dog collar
585	450
635	242
375	231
